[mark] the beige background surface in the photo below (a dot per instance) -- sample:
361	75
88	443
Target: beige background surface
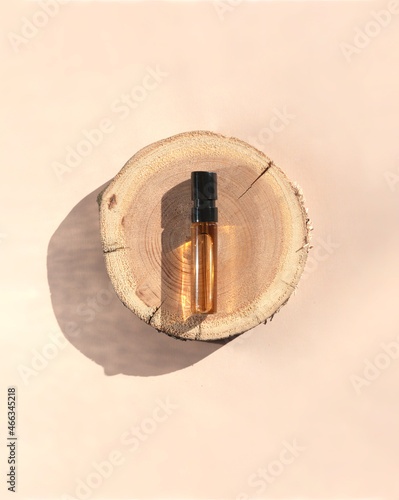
307	378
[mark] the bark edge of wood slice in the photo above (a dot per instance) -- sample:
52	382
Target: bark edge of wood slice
263	242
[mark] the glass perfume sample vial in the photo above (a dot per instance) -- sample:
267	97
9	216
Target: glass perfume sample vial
204	218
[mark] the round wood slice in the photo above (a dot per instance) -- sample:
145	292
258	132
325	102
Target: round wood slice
145	227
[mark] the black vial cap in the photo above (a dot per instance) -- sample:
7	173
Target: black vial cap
204	194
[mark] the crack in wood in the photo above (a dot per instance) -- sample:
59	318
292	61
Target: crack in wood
114	249
302	247
154	313
270	318
198	335
270	164
112	202
289	284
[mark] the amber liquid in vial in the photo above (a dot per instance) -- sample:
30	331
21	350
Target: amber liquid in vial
203	267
